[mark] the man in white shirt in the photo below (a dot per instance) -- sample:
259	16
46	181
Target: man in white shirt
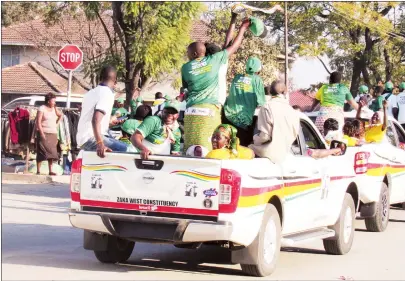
401	104
95	118
277	125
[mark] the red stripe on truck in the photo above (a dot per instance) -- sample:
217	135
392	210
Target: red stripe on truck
148	208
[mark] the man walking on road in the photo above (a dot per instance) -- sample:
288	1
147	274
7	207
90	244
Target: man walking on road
95	118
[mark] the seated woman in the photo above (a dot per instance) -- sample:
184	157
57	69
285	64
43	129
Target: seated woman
352	132
226	145
376	128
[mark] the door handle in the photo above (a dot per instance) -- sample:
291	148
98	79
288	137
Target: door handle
315	172
292	171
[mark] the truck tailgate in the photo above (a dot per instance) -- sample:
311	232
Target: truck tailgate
172	187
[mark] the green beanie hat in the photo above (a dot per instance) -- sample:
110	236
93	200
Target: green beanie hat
167	97
173	104
402	86
389	86
253	65
363	89
257	27
130	126
120	100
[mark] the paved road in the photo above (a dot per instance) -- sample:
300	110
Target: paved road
39	243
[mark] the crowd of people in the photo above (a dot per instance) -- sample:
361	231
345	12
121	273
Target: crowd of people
221	125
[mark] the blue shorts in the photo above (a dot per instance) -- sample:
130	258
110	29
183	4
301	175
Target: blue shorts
111	143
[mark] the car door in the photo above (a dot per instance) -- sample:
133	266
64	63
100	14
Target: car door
302	182
397	166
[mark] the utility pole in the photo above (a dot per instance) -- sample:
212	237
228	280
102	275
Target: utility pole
286	46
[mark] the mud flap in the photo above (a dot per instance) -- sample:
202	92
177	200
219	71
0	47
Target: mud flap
246	255
94	241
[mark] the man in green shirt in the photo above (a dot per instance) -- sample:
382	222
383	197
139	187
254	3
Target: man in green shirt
200	76
159	135
247	93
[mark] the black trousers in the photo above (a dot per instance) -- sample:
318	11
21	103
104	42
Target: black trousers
245	135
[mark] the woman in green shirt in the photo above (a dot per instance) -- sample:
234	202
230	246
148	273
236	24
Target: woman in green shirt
247	93
332	98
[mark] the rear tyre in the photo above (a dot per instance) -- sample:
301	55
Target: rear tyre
344	228
266	246
118	250
379	222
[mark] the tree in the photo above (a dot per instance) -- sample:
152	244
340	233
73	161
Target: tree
145	39
251	46
11	12
347	32
154	36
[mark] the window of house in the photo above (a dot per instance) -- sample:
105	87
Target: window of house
10	56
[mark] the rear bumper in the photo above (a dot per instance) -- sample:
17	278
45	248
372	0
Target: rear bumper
151	229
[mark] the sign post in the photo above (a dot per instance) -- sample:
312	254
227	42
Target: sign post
70	57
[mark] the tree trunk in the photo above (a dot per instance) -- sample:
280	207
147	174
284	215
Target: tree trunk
366	76
388	65
357	69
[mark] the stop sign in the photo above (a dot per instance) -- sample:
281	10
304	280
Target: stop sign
70	57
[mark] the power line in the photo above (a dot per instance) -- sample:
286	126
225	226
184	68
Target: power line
390	34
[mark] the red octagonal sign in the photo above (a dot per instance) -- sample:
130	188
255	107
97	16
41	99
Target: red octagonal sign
70	57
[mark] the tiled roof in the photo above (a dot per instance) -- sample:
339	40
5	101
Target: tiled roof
199	31
302	99
69	30
73	29
32	78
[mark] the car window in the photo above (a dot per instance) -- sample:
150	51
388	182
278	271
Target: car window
38	103
400	134
311	137
296	147
16	103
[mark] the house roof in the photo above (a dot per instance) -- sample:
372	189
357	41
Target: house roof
302	98
73	29
68	30
33	78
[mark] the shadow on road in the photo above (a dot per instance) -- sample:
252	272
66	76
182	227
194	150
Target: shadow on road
303	250
61	247
392	220
44	190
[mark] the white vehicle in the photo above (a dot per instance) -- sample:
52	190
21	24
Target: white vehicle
250	206
37	101
380	170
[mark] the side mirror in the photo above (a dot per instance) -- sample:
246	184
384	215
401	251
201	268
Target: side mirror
339	144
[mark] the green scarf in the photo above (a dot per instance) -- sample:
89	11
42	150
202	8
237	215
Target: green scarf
230	133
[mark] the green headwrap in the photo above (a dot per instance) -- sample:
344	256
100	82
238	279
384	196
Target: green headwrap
253	65
363	89
402	86
229	132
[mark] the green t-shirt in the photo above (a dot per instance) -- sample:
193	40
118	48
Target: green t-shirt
130	126
247	93
122	111
113	111
377	104
152	130
200	77
333	95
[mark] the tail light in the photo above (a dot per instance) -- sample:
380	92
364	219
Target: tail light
361	162
75	176
229	191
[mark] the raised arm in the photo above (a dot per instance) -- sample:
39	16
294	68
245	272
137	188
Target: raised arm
385	121
360	106
230	31
238	40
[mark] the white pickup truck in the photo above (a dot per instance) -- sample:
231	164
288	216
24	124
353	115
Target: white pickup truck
251	207
380	174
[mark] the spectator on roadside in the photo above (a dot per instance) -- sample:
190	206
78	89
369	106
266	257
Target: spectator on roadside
92	132
47	140
401	105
